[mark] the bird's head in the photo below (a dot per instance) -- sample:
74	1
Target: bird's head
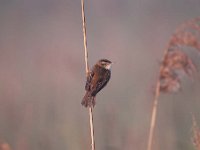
105	63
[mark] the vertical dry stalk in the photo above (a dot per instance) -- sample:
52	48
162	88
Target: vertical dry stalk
175	64
153	117
87	71
196	134
84	37
92	128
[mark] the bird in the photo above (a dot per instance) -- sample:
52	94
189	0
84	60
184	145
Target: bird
96	80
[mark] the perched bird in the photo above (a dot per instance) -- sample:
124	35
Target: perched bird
97	79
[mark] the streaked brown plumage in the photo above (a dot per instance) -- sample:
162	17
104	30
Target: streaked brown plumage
97	79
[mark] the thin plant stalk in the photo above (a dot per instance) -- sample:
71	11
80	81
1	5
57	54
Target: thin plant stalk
92	128
196	134
84	37
153	116
87	71
154	110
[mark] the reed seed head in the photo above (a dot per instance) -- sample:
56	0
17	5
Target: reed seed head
176	62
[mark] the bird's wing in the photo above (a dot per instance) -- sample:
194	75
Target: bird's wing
89	79
101	83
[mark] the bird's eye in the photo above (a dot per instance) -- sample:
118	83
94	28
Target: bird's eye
103	63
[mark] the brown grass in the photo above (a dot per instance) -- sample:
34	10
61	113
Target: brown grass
175	64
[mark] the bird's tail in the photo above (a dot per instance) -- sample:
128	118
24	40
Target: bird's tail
88	100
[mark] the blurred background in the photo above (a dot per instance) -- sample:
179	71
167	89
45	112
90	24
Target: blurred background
42	74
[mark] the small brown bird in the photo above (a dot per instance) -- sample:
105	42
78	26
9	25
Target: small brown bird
97	79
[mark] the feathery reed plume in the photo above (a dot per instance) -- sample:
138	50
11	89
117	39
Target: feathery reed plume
196	134
87	72
175	64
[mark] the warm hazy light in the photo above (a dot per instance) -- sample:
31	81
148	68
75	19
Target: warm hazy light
42	75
